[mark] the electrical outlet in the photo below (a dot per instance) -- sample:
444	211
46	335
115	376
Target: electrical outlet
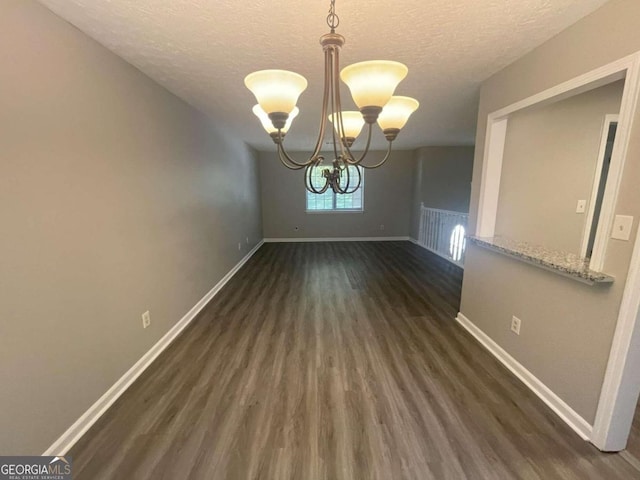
581	206
146	319
381	227
515	325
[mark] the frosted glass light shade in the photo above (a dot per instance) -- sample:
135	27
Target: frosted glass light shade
372	83
276	90
352	123
396	112
266	122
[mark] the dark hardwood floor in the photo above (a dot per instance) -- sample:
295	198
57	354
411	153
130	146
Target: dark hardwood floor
633	445
335	361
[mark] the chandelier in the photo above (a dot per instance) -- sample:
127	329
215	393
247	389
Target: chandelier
372	85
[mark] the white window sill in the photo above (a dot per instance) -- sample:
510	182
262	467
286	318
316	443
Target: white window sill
314	212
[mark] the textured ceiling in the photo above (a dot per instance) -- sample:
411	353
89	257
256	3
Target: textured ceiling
202	49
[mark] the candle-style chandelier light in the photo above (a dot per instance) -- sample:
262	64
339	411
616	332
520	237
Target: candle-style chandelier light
372	85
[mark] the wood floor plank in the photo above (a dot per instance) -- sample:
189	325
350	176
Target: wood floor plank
330	361
633	444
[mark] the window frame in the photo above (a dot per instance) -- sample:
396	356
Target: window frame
334	198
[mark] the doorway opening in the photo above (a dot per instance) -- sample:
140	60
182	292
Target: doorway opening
600	180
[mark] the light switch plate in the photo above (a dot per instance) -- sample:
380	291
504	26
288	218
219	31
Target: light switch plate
622	227
581	207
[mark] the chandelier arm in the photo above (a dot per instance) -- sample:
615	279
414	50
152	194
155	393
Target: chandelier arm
336	114
337	105
284	159
366	148
340	122
351	159
359	180
325	101
346	188
323	122
318	192
307	180
283	154
308	183
344	168
386	157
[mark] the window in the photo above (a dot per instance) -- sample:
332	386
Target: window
336	202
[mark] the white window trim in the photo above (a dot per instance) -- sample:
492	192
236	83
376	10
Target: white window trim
335	196
342	210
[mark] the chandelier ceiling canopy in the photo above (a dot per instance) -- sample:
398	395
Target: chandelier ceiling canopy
372	85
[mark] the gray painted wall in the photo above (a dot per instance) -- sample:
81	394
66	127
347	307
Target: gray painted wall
387	201
115	197
549	164
442	179
567	327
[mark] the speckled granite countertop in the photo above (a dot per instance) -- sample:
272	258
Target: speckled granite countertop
567	264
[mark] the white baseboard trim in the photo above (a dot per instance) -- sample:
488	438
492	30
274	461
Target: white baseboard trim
64	443
635	463
564	411
336	239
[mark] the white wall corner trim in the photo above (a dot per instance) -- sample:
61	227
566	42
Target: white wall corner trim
564	411
64	443
621	385
336	239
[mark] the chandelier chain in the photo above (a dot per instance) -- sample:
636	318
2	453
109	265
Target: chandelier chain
332	19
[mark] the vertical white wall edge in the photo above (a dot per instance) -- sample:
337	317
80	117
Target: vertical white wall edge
553	401
64	443
491	174
621	385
